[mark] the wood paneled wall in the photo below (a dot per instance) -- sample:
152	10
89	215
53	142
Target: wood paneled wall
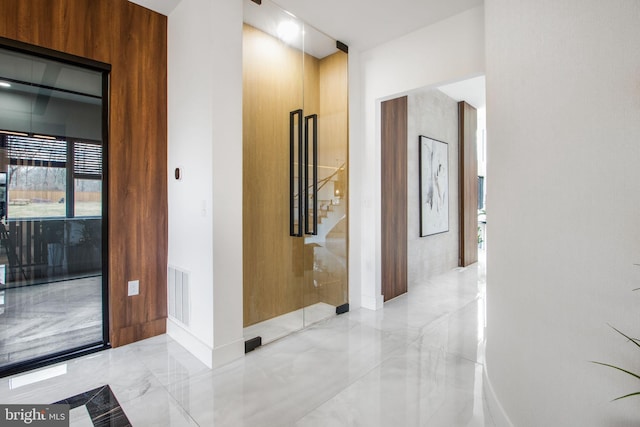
334	106
394	197
278	270
134	41
333	137
273	267
468	125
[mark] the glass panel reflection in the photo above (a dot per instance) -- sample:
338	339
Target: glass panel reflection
295	127
50	208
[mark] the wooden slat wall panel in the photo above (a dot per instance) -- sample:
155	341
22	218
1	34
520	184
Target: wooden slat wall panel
273	267
468	125
394	197
278	270
333	135
134	41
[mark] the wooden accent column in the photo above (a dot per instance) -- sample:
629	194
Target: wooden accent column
394	197
134	41
468	124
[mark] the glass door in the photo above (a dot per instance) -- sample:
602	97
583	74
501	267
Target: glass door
294	173
325	187
52	292
273	101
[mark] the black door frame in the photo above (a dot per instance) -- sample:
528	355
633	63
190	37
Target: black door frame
105	70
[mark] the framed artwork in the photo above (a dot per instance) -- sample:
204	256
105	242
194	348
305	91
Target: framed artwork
434	186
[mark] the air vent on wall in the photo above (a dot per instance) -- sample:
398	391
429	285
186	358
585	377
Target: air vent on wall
179	293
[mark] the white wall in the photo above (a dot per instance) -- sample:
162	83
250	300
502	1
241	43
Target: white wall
226	49
433	114
205	141
448	51
563	111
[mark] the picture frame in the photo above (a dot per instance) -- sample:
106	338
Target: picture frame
434	186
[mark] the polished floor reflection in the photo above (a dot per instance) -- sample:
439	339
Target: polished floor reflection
417	362
40	320
281	326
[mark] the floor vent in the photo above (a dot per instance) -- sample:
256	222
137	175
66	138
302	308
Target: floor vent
179	292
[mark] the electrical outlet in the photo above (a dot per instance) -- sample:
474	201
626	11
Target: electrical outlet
134	287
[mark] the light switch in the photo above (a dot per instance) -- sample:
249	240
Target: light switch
134	287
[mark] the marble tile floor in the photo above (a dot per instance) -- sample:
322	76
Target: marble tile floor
417	362
97	407
278	327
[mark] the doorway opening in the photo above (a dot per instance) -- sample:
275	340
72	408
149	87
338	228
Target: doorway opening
451	119
473	92
295	169
53	204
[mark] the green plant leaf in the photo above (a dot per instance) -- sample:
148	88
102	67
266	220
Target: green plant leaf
628	395
633	340
619	369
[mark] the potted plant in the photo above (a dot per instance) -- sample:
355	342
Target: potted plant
634	341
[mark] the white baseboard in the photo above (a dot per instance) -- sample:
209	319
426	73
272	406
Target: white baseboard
227	353
372	302
498	413
185	338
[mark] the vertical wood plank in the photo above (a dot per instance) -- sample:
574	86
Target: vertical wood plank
333	137
134	41
468	124
273	261
394	197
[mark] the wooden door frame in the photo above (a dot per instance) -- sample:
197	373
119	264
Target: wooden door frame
394	199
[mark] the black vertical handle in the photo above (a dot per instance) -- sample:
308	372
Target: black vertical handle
292	171
313	117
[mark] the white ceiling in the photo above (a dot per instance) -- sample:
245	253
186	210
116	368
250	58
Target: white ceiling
361	24
364	24
471	91
161	6
269	16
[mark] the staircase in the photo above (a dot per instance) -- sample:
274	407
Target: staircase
330	214
330	201
329	244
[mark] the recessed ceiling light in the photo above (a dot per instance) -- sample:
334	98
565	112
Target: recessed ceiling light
288	31
5	84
